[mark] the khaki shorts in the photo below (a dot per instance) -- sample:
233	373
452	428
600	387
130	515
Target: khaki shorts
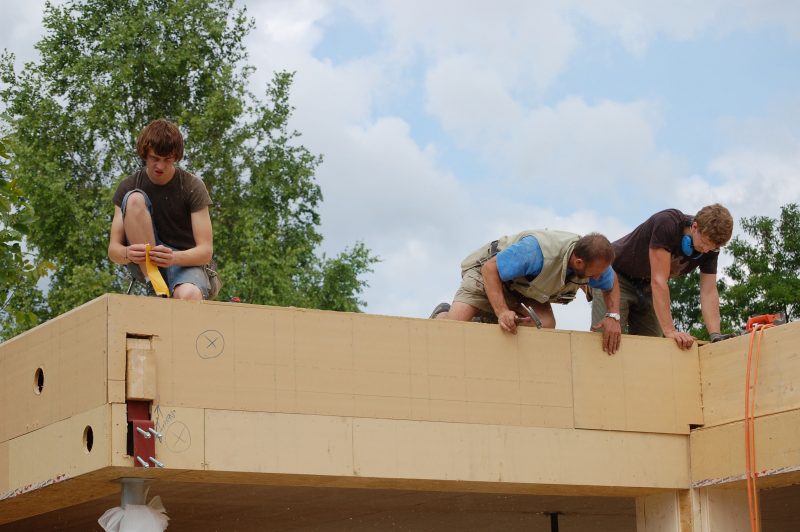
473	293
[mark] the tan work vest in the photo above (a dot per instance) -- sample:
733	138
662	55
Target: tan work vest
552	284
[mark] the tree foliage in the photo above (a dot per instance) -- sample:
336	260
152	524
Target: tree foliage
18	272
684	294
109	67
765	274
764	277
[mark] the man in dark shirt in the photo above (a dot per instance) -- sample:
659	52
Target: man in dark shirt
668	244
166	207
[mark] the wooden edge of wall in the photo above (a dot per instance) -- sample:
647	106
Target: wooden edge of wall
105	482
718	453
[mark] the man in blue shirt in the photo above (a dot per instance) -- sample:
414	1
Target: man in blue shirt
536	268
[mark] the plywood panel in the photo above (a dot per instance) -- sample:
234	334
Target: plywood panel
182	445
659	513
545	368
135	315
470	452
290	360
723	366
70	350
204	354
247	357
718	452
278	443
59	450
119	436
360	447
4	468
649	385
723	509
255	368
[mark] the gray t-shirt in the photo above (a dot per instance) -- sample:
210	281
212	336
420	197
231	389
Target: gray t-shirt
663	230
173	204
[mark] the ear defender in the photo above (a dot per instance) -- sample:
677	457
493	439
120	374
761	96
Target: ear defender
687	246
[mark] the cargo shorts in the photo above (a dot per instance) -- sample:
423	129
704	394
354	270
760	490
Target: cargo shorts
473	292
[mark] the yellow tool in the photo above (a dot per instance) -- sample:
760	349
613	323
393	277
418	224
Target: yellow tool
159	286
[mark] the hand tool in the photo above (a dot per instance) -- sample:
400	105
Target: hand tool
765	319
532	315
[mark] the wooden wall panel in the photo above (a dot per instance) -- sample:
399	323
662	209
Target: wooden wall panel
650	385
59	450
718	452
431	451
5	481
723	366
71	351
255	358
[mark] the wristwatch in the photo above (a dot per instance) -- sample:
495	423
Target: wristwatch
613	315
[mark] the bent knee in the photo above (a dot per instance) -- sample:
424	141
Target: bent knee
459	311
135	201
187	291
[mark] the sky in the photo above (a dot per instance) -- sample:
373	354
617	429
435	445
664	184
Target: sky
445	124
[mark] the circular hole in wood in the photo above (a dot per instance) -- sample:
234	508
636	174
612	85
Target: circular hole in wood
38	381
88	439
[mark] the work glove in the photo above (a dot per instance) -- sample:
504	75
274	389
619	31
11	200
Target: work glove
718	337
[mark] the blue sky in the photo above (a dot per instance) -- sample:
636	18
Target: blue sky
446	124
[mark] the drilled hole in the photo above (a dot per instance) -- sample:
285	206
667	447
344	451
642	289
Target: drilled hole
38	381
88	439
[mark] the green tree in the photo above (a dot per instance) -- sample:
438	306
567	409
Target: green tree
107	68
765	274
684	292
687	314
20	308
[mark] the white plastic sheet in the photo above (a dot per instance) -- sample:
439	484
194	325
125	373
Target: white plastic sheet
136	518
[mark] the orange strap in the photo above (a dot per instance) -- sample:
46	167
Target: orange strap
159	286
749	425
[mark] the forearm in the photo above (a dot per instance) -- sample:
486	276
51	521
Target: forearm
494	287
661	305
709	305
611	297
196	256
118	253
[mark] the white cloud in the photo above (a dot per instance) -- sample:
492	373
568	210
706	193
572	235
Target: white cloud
608	144
530	47
637	24
382	186
604	147
471	101
758	171
289	24
21	27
